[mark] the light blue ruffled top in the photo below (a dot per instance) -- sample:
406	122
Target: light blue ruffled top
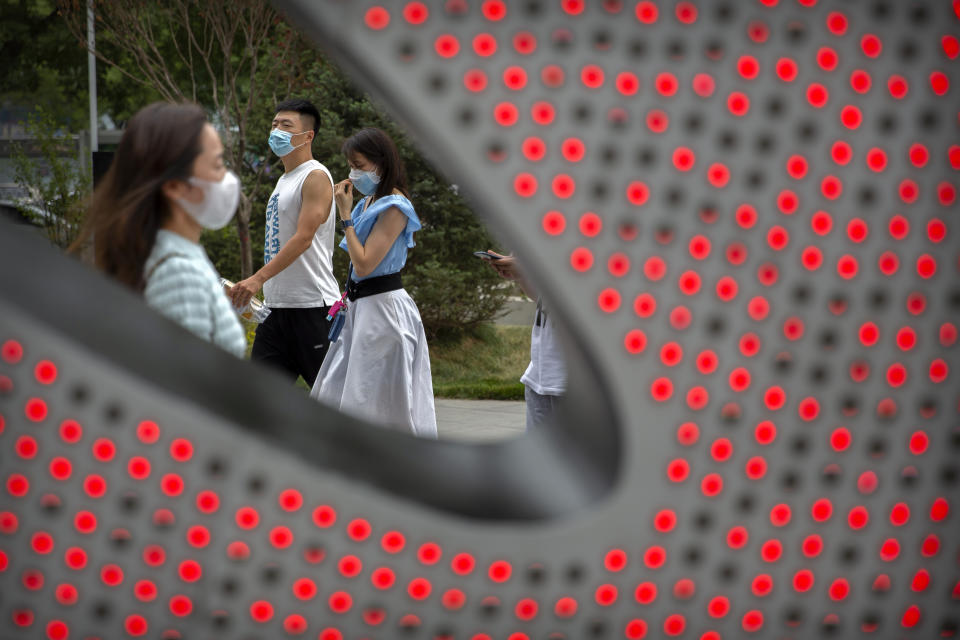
363	221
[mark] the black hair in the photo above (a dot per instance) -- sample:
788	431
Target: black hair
377	147
304	108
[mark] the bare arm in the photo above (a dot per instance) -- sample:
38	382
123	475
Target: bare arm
317	195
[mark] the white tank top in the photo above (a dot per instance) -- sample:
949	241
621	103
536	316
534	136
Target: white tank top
309	280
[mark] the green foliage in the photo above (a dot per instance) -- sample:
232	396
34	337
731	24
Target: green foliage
48	64
483	363
55	184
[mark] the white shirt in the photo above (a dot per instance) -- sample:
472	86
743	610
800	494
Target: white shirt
308	281
547	373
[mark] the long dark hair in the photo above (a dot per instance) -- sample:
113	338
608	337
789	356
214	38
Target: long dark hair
159	143
377	147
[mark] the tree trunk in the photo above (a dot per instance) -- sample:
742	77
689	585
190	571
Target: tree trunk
243	235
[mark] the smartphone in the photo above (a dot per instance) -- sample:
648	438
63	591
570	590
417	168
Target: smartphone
486	255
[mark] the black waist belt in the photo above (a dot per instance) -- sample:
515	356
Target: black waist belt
373	286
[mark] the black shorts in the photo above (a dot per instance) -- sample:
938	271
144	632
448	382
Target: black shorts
294	341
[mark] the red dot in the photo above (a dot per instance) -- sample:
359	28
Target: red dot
939	510
817	95
304	588
609	300
533	149
786	69
661	389
416	13
552	76
139	468
499	571
526	609
812	258
60	468
45	372
11	351
462	564
190	570
939	83
525	185
592	76
505	114
938	370
172	484
104	449
454	599
36	409
515	78
837	23
711	485
748	67
657	121
704	85
261	611
858	517
847	267
148	432
718	175
688	433
447	46
563	186
554	223
627	83
689	282
840	439
565	607
897	86
494	10
429	553
636	629
605	595
475	80
637	193
377	18
647	11
655	557
525	43
484	45
756	468
678	470
383	578
674	625
666	84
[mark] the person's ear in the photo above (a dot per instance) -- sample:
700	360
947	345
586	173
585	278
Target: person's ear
175	189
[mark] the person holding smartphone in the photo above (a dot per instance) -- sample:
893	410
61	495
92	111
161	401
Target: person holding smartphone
378	367
545	380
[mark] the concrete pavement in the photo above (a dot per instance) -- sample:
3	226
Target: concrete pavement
479	420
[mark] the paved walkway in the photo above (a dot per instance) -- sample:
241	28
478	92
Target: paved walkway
480	420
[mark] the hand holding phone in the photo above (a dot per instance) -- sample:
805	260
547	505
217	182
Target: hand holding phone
486	255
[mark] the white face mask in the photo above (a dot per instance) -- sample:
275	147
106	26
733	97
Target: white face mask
219	201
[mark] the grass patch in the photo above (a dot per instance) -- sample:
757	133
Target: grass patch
483	364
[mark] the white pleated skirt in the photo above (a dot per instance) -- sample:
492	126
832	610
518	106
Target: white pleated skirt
379	367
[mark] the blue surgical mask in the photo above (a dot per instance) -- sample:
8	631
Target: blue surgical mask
280	142
365	181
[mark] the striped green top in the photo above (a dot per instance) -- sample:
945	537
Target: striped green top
183	285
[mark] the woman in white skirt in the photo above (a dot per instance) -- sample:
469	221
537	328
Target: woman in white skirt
378	368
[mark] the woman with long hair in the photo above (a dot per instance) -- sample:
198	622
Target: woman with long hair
379	366
167	183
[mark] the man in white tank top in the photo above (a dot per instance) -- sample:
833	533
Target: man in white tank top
297	274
